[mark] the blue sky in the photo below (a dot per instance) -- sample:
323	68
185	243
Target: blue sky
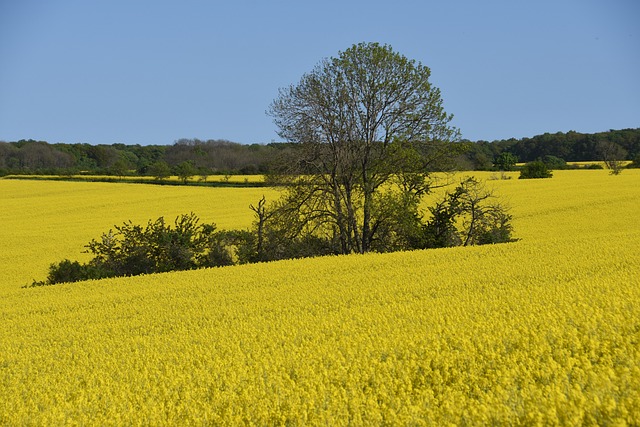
151	72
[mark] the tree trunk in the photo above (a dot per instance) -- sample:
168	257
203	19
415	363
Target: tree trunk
340	218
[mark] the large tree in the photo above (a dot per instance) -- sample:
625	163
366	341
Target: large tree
368	128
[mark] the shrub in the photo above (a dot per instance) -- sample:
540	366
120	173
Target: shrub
469	215
158	247
554	162
537	169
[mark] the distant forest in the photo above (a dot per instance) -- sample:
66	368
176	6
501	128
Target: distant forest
223	157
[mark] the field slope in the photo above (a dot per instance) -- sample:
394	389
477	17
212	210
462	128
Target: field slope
542	331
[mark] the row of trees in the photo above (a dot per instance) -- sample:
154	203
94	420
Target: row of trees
568	147
204	157
467	215
226	157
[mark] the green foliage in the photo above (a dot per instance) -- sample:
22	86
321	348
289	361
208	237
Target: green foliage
536	169
212	156
64	271
185	171
368	128
158	247
228	247
119	168
441	231
399	223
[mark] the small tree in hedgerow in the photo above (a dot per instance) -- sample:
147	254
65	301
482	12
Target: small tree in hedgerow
185	171
613	156
505	161
160	170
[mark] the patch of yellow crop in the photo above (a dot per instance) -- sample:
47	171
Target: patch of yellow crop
173	178
45	222
599	163
542	331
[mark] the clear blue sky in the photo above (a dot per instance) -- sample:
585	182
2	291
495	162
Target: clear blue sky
151	72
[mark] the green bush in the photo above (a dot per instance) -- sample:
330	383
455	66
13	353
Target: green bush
554	162
537	169
158	247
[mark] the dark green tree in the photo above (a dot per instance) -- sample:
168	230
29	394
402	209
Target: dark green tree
537	169
505	161
160	170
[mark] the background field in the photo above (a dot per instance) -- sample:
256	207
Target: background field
195	179
542	331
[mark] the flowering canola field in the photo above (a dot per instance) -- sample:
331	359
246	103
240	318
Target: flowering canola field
543	331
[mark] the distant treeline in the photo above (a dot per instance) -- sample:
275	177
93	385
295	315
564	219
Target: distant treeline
570	147
225	157
205	157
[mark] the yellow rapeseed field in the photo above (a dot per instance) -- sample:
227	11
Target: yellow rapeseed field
544	331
